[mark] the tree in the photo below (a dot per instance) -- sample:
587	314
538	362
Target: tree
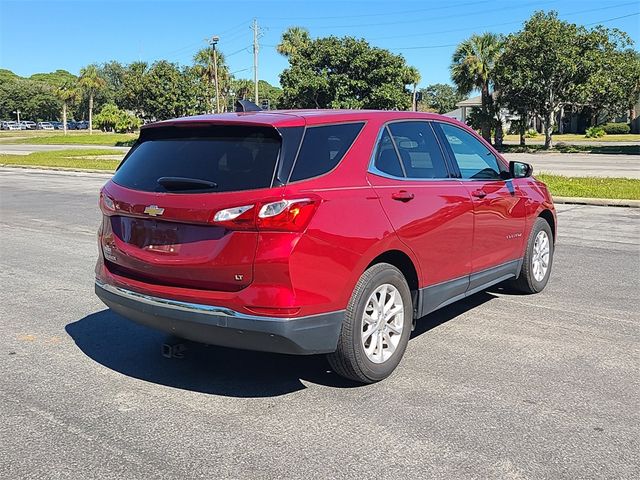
631	81
441	98
205	66
243	88
133	92
293	40
345	72
472	67
55	79
164	92
91	82
113	73
543	67
35	100
269	93
610	71
67	93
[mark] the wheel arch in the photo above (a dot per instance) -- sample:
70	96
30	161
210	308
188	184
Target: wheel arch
407	267
548	216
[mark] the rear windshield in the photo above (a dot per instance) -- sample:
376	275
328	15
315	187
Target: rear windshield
193	160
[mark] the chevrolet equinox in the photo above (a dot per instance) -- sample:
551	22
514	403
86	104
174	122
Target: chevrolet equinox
315	231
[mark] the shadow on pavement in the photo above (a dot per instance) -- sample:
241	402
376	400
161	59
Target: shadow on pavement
135	351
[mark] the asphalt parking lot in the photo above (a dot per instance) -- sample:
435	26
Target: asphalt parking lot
500	386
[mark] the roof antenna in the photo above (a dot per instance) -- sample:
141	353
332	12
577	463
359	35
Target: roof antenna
247	106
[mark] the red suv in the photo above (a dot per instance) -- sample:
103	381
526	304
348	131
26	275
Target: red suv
319	231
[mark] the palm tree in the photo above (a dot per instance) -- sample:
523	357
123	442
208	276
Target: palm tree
242	88
67	93
472	67
293	39
413	78
91	83
205	66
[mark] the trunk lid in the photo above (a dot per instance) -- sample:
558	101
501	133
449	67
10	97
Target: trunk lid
163	232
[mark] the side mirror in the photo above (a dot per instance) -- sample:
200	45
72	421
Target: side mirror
519	169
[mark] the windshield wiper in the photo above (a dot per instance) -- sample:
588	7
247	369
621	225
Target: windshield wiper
184	183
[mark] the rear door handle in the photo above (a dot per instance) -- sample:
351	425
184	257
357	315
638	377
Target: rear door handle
479	193
402	196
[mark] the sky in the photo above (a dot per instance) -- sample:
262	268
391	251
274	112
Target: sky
37	36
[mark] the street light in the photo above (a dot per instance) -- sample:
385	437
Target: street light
18	112
213	43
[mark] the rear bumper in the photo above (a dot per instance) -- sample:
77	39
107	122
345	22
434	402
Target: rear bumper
225	327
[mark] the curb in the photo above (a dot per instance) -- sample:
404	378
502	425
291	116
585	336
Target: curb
601	202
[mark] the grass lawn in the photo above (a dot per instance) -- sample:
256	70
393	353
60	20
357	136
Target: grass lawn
567	148
575	137
592	187
56	137
81	159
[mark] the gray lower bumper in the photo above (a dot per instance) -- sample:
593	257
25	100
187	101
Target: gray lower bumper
226	327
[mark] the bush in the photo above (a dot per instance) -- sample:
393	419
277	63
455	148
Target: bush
616	128
595	132
112	119
531	133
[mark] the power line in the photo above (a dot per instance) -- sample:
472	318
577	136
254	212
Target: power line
243	49
241	70
501	24
241	24
612	19
385	14
414	20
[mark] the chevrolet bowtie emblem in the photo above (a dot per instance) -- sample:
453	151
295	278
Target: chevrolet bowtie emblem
153	210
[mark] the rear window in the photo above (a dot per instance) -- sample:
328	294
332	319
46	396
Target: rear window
193	160
323	148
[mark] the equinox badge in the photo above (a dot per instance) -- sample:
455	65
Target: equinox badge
153	210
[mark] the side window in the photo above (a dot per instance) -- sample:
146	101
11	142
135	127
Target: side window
322	149
386	159
419	150
474	160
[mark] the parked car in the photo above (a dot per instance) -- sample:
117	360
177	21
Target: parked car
57	125
5	124
15	126
309	232
71	125
28	125
82	125
44	126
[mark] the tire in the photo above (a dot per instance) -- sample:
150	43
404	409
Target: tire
362	360
530	279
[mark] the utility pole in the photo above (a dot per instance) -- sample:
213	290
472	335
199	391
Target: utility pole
254	27
414	100
213	42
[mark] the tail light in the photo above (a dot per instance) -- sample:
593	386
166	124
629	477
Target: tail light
107	205
282	215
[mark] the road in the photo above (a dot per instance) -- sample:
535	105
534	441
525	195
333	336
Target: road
572	165
581	164
499	386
